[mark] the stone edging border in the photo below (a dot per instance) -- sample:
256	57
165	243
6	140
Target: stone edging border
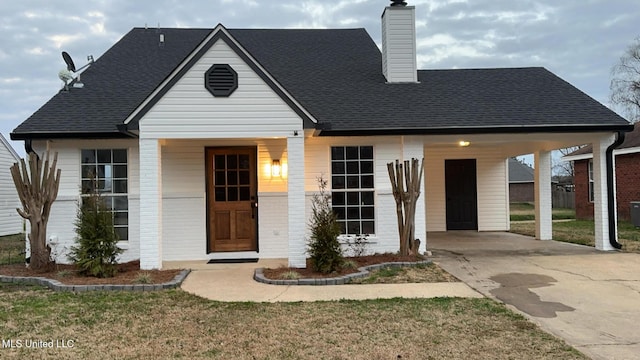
56	285
258	275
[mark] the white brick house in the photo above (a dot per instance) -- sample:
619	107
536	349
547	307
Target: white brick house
211	143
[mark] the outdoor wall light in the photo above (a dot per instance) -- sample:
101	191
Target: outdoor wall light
276	169
464	143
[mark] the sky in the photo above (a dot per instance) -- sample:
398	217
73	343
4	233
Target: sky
578	40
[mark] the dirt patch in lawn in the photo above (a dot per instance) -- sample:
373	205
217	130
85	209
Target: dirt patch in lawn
419	273
128	273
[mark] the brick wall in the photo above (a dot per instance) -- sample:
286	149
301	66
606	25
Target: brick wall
521	192
627	186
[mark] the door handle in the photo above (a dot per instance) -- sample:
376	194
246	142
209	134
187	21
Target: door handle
254	208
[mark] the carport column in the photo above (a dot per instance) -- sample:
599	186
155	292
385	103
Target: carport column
600	198
296	199
414	148
150	204
542	162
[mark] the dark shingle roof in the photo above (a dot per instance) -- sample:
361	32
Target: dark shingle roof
335	75
631	139
519	172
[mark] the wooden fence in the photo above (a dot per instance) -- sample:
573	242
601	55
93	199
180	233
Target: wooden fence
563	199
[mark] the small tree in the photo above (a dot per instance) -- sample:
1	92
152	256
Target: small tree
324	248
37	186
96	251
405	183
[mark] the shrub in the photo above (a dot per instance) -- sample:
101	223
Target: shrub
324	248
96	251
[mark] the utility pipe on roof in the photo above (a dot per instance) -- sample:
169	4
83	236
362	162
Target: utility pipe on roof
611	196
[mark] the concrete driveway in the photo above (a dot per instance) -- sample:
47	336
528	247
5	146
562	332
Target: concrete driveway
589	298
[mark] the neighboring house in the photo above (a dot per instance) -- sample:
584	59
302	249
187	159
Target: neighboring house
208	143
627	174
10	221
521	182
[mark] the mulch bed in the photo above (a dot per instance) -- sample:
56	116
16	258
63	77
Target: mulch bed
128	273
308	273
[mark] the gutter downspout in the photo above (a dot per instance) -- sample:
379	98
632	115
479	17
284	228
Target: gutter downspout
611	196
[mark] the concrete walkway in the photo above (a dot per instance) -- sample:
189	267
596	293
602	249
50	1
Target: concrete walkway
589	298
234	282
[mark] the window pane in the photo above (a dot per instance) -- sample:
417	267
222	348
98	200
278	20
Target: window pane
244	161
353	227
340	212
343	227
337	167
353	213
368	227
244	178
366	197
120	218
232	161
337	153
108	202
88	171
120	171
366	152
120	203
353	198
221	194
220	178
353	182
366	167
120	156
232	194
337	182
219	162
366	212
104	156
351	152
120	186
122	233
244	193
88	156
87	186
337	198
352	167
232	178
367	182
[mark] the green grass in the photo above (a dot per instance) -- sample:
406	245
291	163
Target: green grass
526	212
175	324
582	232
12	249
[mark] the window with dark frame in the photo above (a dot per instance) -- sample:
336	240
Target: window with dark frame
352	188
106	171
591	181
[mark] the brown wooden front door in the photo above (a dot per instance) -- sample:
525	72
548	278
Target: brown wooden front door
232	212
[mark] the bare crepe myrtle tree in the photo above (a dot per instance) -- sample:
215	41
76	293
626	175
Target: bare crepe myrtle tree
405	182
37	184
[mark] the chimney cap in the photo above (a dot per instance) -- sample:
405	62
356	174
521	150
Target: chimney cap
398	3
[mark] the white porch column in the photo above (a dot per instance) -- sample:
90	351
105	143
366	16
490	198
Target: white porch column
150	204
600	198
542	160
414	148
296	200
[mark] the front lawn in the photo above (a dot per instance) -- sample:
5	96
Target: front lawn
175	324
526	212
582	232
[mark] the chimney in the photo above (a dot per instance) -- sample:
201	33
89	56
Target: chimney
399	63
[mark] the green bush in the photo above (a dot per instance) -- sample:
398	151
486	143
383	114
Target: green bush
96	251
324	248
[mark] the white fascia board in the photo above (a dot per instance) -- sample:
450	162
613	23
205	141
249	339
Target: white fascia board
625	151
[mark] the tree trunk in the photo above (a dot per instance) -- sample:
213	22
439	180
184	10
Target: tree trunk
37	186
405	183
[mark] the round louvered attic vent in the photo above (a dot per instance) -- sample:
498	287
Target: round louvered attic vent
221	80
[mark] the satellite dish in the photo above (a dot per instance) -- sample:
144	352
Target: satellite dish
67	59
